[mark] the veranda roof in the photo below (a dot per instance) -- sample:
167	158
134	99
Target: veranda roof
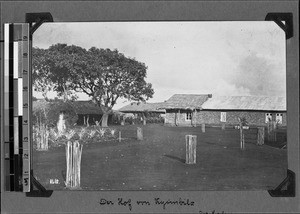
142	107
262	103
185	101
86	107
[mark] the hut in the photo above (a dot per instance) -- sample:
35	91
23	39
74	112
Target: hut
184	109
257	110
143	111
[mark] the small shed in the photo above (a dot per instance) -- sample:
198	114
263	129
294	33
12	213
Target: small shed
183	109
257	110
143	111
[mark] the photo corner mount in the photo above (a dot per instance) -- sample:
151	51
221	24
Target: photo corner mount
287	188
284	21
37	19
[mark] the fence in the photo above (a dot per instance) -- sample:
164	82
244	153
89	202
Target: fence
41	137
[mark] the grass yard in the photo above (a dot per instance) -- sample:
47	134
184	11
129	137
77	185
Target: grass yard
158	162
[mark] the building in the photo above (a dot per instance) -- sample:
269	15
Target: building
257	110
193	110
144	111
86	111
183	109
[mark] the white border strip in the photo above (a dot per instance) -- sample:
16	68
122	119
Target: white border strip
20	96
16	60
6	66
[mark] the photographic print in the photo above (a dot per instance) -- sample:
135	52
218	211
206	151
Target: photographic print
185	105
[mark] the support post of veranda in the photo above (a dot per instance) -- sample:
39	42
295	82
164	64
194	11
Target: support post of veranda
203	127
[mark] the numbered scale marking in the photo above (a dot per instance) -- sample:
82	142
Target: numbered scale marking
17	107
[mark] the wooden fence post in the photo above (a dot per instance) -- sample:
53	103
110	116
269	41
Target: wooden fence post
260	135
242	137
120	136
243	141
73	158
191	144
139	133
203	127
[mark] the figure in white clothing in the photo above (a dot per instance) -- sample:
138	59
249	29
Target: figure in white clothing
61	124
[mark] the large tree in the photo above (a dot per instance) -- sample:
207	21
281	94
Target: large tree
53	67
104	75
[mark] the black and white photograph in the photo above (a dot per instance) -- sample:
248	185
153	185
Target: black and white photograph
159	105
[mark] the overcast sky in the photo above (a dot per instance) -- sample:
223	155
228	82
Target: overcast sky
221	58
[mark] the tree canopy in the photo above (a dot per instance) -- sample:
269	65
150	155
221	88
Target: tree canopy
104	75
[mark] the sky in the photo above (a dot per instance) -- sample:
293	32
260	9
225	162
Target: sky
224	58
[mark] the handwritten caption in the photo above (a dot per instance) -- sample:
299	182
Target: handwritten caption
129	203
164	204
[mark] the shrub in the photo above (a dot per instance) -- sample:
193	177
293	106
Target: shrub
115	119
112	132
47	112
40	112
129	120
56	108
101	131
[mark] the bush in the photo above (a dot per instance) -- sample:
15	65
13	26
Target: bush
45	112
115	119
39	112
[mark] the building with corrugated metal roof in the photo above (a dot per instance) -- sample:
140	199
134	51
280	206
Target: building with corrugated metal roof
257	110
193	110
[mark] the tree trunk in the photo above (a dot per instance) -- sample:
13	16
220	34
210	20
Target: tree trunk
104	119
87	121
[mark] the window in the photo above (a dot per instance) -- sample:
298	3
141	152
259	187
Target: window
279	118
223	117
188	116
268	117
